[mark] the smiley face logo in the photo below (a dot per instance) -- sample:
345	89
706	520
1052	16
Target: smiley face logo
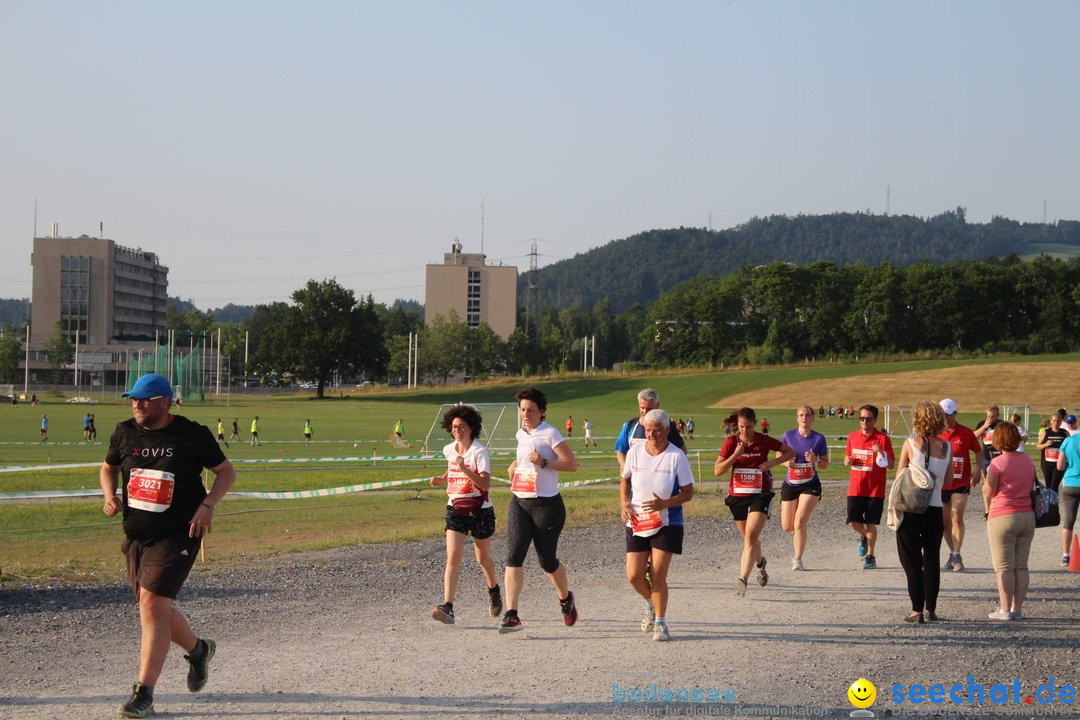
862	693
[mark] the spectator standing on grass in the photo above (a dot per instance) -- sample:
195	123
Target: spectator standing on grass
656	482
1010	525
93	428
255	431
588	434
869	453
570	426
690	428
159	458
964	474
468	509
633	432
86	426
307	431
44	427
918	538
235	435
536	513
801	491
221	433
1068	464
747	456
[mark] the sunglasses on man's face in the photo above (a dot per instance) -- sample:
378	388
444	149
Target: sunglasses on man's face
152	398
866	419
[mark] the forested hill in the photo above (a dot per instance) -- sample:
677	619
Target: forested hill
638	268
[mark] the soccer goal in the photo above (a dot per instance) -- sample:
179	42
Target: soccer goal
898	418
497	432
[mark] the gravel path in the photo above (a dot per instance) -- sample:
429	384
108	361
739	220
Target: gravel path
347	634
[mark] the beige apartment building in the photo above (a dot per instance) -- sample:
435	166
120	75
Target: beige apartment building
476	291
107	297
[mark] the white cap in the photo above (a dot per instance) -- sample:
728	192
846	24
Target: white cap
949	406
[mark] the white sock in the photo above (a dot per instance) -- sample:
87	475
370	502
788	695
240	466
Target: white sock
660	621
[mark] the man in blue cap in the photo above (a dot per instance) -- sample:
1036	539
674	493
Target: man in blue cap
160	457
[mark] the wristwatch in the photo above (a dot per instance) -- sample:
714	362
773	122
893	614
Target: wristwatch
543	463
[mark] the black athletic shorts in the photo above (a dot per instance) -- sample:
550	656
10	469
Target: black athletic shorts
160	565
865	510
792	492
946	495
481	525
742	505
668	539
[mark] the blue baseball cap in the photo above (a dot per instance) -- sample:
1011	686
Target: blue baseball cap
149	385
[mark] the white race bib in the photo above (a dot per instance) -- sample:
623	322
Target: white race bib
800	473
862	460
150	490
747	481
646	524
523	483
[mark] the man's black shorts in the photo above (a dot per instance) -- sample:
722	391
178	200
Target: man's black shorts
742	505
161	565
668	539
865	510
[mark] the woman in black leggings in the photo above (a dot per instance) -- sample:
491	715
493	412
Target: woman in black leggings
536	514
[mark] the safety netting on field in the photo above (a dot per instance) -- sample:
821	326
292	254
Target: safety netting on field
184	369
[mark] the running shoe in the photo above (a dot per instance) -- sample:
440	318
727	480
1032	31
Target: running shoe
1016	615
740	587
863	547
1064	561
1000	614
660	632
796	564
569	610
958	564
140	705
510	623
762	576
869	563
949	563
495	599
444	613
199	670
648	619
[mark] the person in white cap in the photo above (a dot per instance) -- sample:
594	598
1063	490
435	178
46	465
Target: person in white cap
963	475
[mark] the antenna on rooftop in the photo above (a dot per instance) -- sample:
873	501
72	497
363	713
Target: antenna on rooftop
482	226
888	198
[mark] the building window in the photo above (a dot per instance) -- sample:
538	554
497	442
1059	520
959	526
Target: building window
75	294
472	309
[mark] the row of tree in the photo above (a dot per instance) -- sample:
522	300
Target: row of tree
778	312
639	268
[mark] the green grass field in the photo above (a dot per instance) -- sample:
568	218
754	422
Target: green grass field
72	539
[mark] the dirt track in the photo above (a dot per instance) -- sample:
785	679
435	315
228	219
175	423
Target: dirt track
1043	386
347	634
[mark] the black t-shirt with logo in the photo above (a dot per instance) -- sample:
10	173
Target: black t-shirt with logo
178	453
1056	437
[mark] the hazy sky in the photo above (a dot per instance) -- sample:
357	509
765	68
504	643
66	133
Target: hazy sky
255	145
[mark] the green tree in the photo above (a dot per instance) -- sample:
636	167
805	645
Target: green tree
10	353
60	351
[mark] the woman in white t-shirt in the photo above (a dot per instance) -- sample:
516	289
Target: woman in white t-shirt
656	482
468	509
536	513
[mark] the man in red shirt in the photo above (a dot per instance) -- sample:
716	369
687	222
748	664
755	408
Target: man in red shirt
964	474
869	454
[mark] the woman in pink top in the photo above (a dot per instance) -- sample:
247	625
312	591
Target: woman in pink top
1010	519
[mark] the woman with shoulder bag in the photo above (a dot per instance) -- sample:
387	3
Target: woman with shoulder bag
1010	523
468	509
918	538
